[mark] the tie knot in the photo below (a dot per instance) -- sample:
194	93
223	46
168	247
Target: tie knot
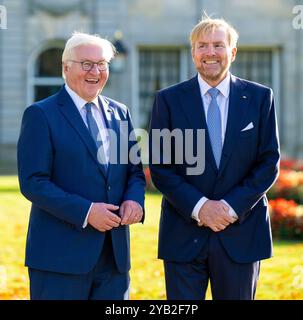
88	106
213	92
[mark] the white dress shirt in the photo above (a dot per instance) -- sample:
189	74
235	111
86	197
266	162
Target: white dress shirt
223	102
98	116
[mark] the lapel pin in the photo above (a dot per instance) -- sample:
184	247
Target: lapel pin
244	97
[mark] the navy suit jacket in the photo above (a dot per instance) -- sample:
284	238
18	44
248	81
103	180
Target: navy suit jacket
248	168
60	174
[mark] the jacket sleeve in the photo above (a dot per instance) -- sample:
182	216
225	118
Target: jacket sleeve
244	196
35	160
177	191
135	186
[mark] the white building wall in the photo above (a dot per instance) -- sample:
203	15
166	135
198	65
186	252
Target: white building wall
13	90
148	23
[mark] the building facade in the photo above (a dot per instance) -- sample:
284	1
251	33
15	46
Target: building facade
156	54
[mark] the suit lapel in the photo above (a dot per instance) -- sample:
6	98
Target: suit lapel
238	103
192	105
72	115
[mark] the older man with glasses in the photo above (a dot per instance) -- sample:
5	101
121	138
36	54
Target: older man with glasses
82	203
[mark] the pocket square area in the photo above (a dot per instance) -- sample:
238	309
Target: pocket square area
248	127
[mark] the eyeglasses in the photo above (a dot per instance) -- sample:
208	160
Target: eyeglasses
88	65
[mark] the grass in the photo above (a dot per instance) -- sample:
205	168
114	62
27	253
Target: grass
281	277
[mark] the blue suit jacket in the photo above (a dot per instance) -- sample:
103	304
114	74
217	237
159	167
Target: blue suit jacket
60	174
248	167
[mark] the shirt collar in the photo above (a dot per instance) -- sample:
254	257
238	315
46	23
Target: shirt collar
78	101
223	86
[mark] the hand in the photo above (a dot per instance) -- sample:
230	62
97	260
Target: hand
214	214
130	212
102	218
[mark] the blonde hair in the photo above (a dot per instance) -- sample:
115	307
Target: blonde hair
79	38
207	24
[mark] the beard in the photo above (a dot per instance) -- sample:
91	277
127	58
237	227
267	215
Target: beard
214	75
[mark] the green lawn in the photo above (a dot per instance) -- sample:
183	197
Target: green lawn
281	277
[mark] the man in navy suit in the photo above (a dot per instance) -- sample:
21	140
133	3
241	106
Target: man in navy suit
82	202
215	225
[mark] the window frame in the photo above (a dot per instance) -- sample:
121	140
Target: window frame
32	79
184	71
275	71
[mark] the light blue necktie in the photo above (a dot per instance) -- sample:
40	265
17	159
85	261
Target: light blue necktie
94	131
214	125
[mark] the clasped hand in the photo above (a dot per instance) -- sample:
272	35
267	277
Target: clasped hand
214	214
102	217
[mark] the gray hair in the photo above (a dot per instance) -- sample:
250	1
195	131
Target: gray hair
78	39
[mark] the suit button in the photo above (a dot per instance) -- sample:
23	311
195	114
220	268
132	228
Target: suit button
108	188
195	240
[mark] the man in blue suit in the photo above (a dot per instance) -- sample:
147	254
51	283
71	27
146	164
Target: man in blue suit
215	225
78	244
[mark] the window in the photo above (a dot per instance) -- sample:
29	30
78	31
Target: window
158	68
254	65
263	66
46	74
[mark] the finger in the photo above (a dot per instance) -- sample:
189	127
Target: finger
126	215
230	219
111	217
107	227
221	227
225	208
111	207
112	224
112	221
140	216
136	210
135	218
214	228
121	211
226	219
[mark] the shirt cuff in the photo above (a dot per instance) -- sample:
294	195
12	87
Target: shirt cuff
85	221
198	206
231	211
